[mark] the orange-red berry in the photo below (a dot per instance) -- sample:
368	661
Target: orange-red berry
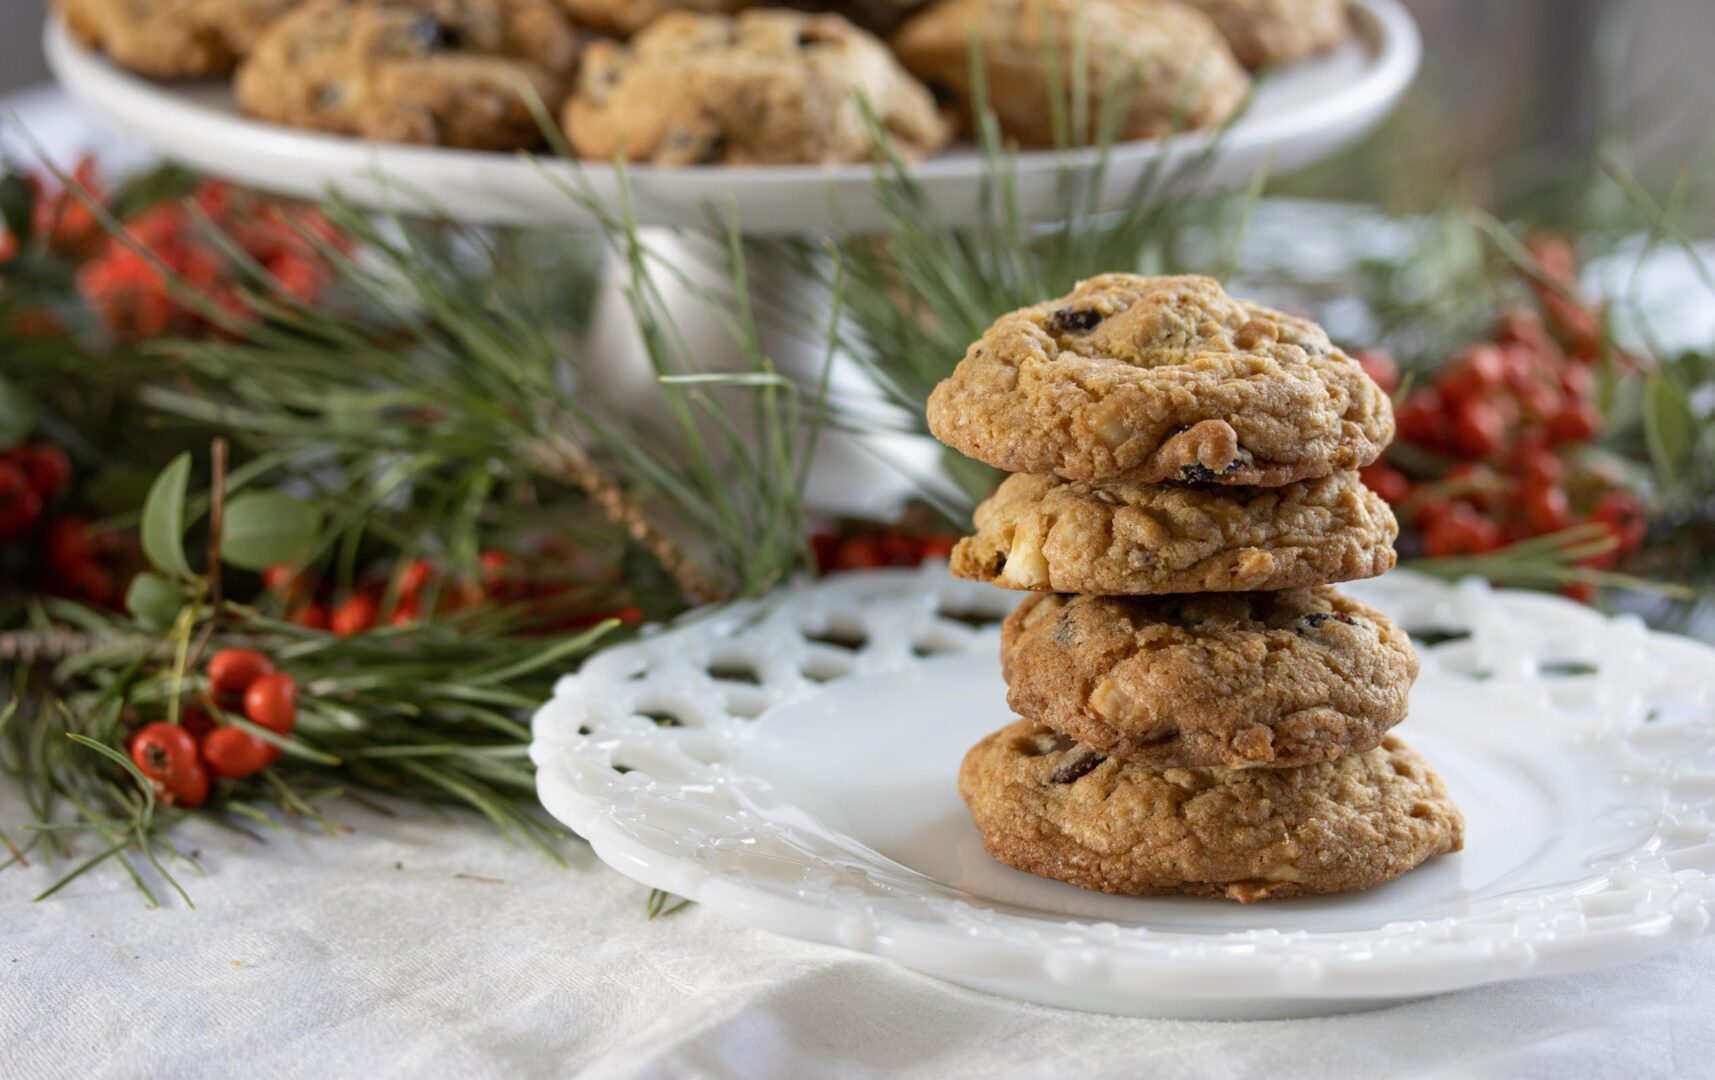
272	703
167	755
233	671
233	753
355	615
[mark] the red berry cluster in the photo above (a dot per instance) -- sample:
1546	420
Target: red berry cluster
179	759
58	219
129	293
861	548
30	476
421	591
1502	422
70	560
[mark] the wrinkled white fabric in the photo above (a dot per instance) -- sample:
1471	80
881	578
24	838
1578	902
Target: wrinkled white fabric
420	947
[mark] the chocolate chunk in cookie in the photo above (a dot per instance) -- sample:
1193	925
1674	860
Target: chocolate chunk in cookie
1122	539
1234	679
1160	378
1238	834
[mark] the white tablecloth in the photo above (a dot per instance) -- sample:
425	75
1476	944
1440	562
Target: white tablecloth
416	947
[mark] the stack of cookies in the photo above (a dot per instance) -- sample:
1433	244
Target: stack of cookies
1203	712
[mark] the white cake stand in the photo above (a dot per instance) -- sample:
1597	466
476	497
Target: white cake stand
1300	115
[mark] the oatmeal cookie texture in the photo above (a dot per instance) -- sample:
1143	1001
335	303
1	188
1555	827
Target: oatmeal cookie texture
1167	62
1122	539
1264	33
1235	679
1049	806
172	38
444	72
763	87
1160	378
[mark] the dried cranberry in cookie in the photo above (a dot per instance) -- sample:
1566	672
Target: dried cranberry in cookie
1234	679
764	87
1149	379
445	72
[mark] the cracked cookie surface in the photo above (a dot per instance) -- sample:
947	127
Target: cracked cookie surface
1234	679
1150	379
172	39
1120	539
1167	57
444	72
762	87
1047	806
1263	33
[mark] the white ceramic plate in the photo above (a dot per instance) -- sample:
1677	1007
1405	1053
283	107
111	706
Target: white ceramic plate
1300	115
806	785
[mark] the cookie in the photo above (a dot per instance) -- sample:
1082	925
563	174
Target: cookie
172	39
1160	378
1155	67
1235	679
763	87
627	17
444	72
876	16
1265	33
1049	806
1121	539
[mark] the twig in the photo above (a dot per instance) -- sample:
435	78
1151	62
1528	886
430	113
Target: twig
567	460
46	646
216	530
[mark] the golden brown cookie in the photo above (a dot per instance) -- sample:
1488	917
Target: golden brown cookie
627	17
1263	33
1121	539
1160	378
172	39
764	87
876	16
1234	679
445	72
1165	58
1048	806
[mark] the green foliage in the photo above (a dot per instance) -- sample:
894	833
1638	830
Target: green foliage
266	527
163	523
153	601
17	414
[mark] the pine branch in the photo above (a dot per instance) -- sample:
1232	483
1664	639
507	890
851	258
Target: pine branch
564	458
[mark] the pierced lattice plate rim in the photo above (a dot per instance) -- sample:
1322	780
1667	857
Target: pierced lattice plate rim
681	758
